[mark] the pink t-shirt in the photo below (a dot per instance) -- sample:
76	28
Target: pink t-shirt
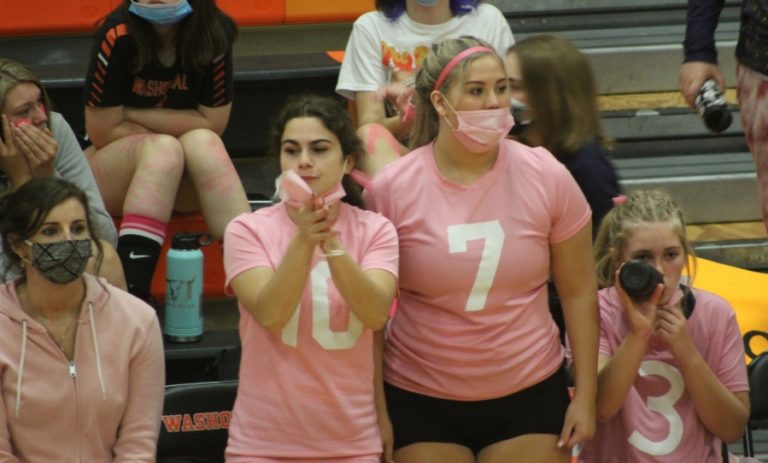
473	321
657	422
306	392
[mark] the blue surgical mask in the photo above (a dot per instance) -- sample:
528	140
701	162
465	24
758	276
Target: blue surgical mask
427	3
161	15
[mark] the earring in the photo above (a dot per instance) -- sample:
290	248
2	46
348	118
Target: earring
24	261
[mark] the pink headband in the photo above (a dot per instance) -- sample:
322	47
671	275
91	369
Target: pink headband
456	60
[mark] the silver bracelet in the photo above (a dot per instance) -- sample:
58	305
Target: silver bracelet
335	253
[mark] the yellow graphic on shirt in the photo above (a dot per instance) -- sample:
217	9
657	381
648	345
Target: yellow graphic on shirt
402	64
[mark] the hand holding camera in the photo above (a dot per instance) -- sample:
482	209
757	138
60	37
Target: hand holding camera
712	107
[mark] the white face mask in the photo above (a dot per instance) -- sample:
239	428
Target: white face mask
294	190
518	109
481	130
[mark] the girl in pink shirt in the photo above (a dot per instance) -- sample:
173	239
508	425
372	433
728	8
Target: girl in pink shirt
473	362
672	379
314	278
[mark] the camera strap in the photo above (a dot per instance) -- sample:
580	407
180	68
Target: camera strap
688	302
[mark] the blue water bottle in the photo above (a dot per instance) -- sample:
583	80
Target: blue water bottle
184	287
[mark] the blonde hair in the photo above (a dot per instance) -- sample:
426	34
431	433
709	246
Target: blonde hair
562	94
427	121
13	73
639	208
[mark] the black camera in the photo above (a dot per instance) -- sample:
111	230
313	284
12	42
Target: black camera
712	107
639	279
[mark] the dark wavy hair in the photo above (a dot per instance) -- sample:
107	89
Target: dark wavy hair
23	211
335	118
392	9
200	39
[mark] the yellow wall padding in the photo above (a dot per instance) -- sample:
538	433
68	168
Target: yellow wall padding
746	291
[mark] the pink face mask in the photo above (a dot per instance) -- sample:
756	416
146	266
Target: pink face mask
479	131
292	189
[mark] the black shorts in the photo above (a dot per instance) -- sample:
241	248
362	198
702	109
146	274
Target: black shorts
539	409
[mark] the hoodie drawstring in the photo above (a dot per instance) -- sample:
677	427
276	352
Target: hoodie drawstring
96	350
21	367
23	356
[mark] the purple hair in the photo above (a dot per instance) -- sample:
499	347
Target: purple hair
392	9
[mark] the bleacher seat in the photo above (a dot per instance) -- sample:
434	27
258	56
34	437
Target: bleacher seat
81	16
195	421
254	12
312	11
34	17
634	46
213	270
758	389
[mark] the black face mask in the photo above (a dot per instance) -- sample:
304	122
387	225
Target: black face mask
61	262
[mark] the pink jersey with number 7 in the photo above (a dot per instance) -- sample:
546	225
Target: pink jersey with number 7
473	321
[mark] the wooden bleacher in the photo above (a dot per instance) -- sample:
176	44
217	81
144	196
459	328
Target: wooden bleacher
635	48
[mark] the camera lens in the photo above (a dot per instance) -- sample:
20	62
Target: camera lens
639	279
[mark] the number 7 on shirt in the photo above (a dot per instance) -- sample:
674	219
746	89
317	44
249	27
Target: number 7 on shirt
492	235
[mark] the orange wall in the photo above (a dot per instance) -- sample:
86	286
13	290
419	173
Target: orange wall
27	17
313	11
39	17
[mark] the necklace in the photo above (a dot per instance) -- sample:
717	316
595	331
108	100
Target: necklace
60	339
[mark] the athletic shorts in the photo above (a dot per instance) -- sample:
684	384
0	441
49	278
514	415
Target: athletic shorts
539	409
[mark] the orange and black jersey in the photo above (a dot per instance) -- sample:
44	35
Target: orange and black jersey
111	80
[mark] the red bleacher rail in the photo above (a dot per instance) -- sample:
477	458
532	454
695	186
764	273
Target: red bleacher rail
313	11
213	271
47	17
254	12
41	17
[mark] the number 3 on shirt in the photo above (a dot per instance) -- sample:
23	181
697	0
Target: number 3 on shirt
493	242
321	316
664	405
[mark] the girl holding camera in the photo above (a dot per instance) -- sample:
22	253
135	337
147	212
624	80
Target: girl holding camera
672	384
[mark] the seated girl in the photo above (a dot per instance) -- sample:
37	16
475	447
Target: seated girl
672	383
